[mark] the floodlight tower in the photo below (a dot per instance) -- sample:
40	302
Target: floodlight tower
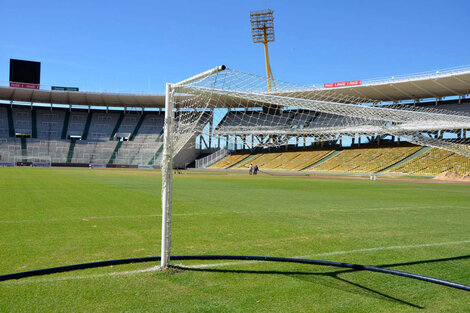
262	30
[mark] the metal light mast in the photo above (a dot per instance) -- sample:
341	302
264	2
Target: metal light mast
262	29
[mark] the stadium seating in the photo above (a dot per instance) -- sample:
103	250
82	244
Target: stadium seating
97	148
281	160
254	118
50	131
260	159
229	161
141	149
49	124
435	161
272	161
365	160
286	160
3	123
10	149
303	159
351	160
134	138
237	119
22	120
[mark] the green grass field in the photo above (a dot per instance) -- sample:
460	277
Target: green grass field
53	217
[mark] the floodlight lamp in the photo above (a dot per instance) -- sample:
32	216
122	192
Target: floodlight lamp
262	26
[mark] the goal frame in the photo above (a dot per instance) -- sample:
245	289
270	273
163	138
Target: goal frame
35	160
413	124
167	162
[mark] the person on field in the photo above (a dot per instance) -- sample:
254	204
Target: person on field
255	171
250	167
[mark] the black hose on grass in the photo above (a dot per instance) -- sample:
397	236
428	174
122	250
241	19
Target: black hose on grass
74	267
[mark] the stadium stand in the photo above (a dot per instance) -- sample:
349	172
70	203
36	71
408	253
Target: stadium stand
230	160
285	160
4	130
76	126
253	118
68	128
435	161
47	141
11	127
348	160
134	138
117	126
260	159
95	146
275	160
49	124
143	132
78	136
303	159
22	120
365	160
235	120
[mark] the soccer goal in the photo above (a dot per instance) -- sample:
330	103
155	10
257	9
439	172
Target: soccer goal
35	161
239	109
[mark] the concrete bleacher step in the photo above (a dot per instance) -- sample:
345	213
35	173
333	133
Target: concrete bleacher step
291	118
66	125
315	115
329	156
24	149
417	153
87	126
137	127
70	152
11	125
249	157
160	136
116	127
115	152
34	123
156	155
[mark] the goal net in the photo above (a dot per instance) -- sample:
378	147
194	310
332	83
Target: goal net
35	161
236	108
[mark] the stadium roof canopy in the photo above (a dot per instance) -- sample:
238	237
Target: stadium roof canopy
81	98
437	84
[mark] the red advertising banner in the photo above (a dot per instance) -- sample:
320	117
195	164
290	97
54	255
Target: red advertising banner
343	84
24	85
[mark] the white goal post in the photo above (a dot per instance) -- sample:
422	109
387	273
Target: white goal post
167	163
239	107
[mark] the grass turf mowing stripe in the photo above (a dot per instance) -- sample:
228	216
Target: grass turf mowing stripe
85	218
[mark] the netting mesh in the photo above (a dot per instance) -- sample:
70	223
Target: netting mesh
237	108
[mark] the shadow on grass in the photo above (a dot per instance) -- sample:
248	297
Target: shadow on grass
338	283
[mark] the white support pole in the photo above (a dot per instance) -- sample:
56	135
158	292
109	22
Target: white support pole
167	162
167	179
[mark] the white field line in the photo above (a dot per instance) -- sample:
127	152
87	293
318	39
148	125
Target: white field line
157	268
222	213
340	253
123	273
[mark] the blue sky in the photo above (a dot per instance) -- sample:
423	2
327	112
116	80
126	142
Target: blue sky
129	46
